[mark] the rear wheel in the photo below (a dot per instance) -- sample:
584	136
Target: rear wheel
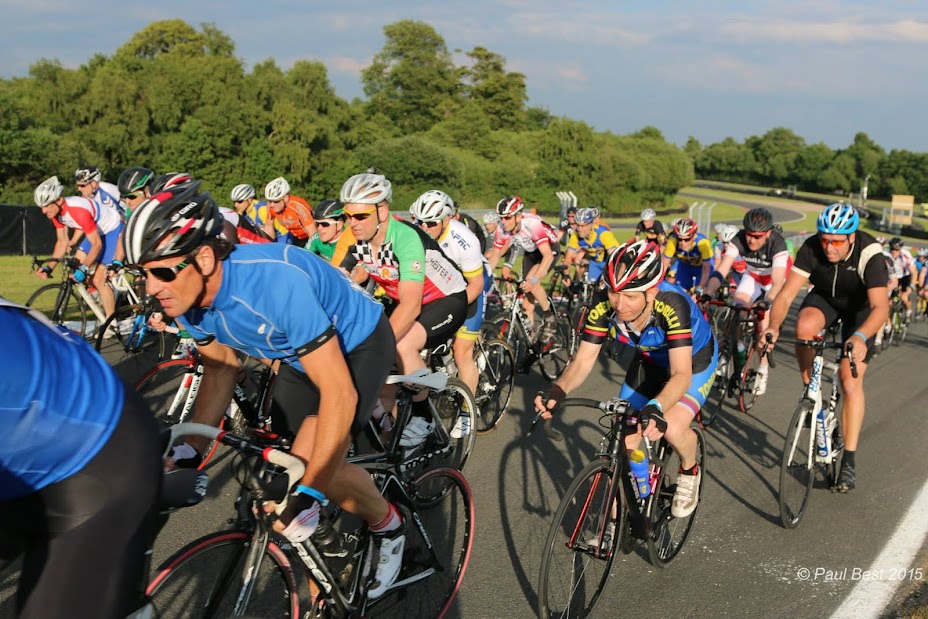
555	354
128	343
63	307
668	534
750	377
797	467
166	389
581	544
719	389
497	365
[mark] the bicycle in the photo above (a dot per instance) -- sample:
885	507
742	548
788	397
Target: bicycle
220	574
602	511
734	376
805	451
514	328
897	328
496	366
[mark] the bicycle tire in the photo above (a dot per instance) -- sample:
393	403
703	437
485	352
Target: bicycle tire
130	351
164	389
555	354
719	389
68	312
591	506
449	525
669	534
497	364
901	329
748	396
797	466
514	335
577	321
186	584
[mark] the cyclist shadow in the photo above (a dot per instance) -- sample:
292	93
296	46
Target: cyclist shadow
542	469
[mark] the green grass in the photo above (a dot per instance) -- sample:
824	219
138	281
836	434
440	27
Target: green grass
799	194
18	281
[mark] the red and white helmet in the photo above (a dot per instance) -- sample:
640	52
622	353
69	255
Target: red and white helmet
685	228
635	266
509	206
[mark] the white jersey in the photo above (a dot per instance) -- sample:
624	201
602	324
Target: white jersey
532	233
107	194
463	247
904	262
78	212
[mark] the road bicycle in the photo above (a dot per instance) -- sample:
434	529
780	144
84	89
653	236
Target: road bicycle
814	439
250	570
897	327
603	511
496	365
514	327
739	359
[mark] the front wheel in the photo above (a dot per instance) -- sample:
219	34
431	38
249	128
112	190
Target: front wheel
669	533
753	380
581	544
207	579
554	354
63	307
169	390
797	468
128	343
497	365
718	391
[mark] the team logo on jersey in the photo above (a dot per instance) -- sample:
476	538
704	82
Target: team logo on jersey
416	266
262	328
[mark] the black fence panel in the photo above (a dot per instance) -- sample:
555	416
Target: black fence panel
24	230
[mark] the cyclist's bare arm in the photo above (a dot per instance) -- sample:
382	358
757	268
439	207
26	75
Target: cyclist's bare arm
220	370
879	314
681	376
61	249
493	254
781	305
724	268
574	374
96	248
407	309
778	280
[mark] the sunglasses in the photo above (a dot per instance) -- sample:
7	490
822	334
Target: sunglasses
168	274
429	224
360	216
325	224
131	196
508	217
82	185
835	242
755	235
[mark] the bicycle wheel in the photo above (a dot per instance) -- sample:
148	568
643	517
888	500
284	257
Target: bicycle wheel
581	544
67	310
797	468
668	534
577	321
719	388
901	329
438	547
514	335
128	343
748	395
497	365
205	579
165	389
555	353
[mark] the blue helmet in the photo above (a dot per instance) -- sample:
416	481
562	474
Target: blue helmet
839	218
585	216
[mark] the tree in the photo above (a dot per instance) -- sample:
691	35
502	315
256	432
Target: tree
500	95
776	153
692	148
175	36
412	80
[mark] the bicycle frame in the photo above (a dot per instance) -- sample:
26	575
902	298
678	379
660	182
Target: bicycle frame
813	393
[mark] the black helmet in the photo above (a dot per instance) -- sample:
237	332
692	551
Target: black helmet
169	180
172	222
329	209
895	243
758	220
134	180
571	210
87	174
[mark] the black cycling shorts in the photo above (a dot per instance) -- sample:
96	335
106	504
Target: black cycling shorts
296	397
530	259
905	282
84	538
442	318
851	318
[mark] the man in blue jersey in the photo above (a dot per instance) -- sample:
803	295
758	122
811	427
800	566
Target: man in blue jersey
674	363
80	471
277	302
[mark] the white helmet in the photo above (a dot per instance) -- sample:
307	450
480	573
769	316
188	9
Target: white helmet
433	205
648	214
47	192
490	218
243	192
277	189
87	174
366	189
728	232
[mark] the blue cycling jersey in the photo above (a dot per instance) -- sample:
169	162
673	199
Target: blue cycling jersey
676	321
281	302
59	403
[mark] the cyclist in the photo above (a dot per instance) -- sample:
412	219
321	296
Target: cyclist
539	241
427	287
789	243
276	302
764	251
649	228
568	226
330	226
249	224
99	225
80	471
293	212
433	212
849	275
590	242
90	186
472	225
674	362
905	263
691	253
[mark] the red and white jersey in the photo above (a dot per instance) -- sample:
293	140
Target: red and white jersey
760	263
87	215
533	232
904	263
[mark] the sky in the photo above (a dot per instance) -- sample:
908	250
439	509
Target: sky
711	69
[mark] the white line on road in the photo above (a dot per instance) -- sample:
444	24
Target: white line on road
870	596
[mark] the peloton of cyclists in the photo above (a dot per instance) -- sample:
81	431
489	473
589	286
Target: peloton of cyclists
688	255
590	242
293	212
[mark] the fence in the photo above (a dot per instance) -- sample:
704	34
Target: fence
24	230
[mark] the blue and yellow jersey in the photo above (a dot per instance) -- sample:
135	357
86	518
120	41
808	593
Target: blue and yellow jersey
700	252
597	246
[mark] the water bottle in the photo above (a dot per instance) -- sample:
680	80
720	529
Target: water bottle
327	539
742	353
641	470
821	434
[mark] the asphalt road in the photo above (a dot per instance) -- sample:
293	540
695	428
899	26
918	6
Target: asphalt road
739	560
780	215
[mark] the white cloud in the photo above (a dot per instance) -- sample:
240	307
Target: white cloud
579	28
841	32
344	64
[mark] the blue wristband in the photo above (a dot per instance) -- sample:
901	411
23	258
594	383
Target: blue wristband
313	493
860	335
656	403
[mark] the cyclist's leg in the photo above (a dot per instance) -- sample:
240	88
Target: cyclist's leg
815	314
748	292
465	340
86	536
854	402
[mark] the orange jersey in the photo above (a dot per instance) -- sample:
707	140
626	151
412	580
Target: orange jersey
296	216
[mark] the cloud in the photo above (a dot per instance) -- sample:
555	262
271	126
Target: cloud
344	64
579	28
839	32
573	74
